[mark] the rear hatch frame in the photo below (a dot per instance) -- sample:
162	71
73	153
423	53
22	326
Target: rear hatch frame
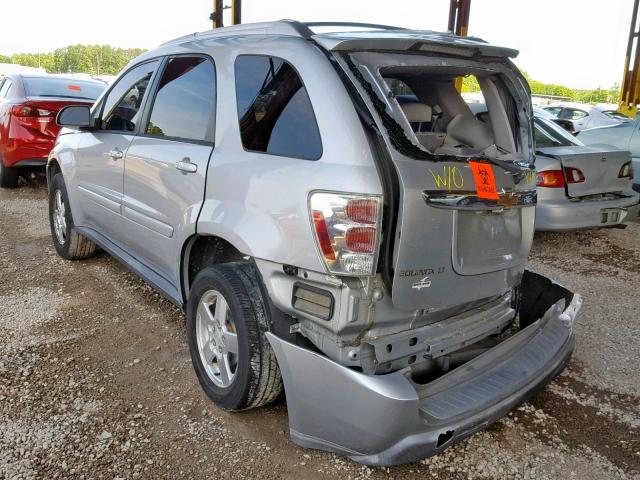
342	51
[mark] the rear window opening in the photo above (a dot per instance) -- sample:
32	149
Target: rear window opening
548	134
62	88
438	120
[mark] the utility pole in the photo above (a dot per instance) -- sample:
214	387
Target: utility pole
459	17
459	24
216	16
236	11
630	91
218	8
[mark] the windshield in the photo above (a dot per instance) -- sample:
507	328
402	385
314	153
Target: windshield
62	87
548	134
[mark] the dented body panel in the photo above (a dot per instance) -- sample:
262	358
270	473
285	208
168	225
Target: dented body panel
391	419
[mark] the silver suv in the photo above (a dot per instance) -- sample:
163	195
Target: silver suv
332	217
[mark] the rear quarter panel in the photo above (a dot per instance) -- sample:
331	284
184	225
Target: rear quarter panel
259	202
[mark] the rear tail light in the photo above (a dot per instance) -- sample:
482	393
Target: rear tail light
322	234
361	239
347	230
363	210
558	178
550	179
573	175
626	171
30	111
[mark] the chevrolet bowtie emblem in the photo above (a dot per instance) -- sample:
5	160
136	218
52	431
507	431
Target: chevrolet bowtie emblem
507	200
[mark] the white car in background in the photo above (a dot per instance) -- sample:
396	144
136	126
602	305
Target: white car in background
586	116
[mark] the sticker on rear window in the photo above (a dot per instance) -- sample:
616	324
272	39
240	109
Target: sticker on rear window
74	87
485	181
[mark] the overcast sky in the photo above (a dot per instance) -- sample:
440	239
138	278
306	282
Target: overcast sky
577	43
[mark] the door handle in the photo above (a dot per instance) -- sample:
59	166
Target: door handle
185	165
116	154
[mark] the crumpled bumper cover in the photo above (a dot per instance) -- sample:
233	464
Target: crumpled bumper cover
389	419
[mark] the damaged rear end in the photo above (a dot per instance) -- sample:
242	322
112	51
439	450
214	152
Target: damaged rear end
395	418
450	331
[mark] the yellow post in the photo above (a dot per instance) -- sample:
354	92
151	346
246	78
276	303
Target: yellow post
630	89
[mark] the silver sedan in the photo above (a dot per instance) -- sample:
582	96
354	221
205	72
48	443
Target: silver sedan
580	186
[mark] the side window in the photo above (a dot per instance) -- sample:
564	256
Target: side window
554	110
184	105
578	114
274	109
572	114
121	109
4	88
634	143
398	87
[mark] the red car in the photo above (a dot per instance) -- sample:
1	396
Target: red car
28	108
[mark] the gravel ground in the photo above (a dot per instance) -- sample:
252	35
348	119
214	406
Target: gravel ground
96	381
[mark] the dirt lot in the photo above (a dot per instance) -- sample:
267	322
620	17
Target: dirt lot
96	381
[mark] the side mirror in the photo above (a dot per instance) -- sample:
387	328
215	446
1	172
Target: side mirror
78	116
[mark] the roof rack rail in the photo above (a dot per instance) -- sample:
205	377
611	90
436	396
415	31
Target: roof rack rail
352	24
279	27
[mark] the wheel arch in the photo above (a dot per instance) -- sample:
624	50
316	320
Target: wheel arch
203	250
53	167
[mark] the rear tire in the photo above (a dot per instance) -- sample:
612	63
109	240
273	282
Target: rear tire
227	318
68	243
8	176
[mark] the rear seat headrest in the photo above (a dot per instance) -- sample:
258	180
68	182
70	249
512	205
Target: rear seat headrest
416	112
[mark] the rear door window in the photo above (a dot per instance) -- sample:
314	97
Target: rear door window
121	109
185	101
548	134
274	109
572	114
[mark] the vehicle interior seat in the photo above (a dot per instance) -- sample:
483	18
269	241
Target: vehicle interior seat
469	131
420	117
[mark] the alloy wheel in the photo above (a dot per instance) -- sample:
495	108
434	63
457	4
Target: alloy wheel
217	338
59	217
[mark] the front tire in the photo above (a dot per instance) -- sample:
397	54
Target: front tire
68	243
8	176
226	322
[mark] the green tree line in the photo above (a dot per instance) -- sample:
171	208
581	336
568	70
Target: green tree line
107	60
92	59
599	95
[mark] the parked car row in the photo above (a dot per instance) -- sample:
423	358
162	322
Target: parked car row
364	252
29	104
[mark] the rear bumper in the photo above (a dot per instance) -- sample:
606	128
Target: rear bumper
21	154
388	419
562	215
